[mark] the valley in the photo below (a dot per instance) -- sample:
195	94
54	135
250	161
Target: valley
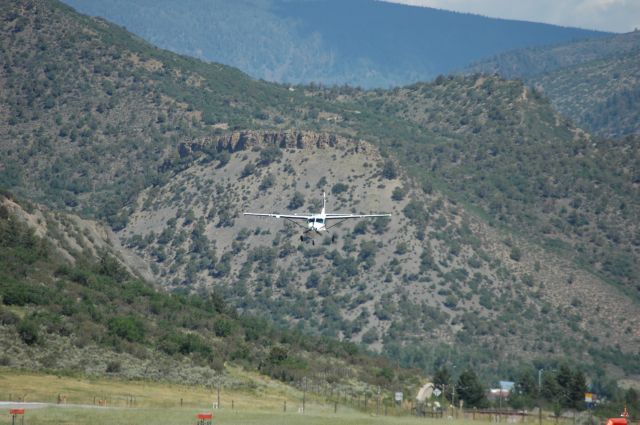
512	246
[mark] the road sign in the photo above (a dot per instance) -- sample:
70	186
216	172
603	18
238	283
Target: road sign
399	396
437	392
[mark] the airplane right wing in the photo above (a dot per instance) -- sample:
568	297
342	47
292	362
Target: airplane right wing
347	216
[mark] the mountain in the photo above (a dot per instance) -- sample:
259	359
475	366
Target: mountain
513	232
71	301
433	275
594	82
360	42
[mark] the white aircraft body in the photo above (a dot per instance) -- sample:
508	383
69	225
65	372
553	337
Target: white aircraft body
317	223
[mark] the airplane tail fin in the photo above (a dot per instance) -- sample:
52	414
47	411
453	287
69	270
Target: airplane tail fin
324	202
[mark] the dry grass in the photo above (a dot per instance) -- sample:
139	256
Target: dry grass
26	386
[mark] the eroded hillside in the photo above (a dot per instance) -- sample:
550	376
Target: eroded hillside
431	275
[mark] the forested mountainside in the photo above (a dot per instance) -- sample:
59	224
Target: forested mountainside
508	153
359	42
594	82
477	264
70	301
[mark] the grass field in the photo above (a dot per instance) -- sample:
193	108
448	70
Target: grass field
262	394
160	403
177	416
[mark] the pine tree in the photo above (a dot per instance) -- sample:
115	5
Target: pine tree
526	383
577	390
564	378
470	390
442	378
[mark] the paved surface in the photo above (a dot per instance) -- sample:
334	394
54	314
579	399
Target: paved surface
33	405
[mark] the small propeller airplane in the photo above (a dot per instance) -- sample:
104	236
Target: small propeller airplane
317	223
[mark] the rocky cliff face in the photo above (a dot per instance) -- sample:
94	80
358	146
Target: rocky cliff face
243	140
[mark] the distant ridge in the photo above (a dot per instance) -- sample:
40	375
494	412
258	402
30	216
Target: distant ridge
360	42
594	82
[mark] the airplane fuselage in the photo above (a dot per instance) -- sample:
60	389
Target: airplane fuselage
317	223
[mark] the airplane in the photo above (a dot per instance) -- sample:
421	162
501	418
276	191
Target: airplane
317	223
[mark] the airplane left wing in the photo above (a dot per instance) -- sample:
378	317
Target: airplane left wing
287	216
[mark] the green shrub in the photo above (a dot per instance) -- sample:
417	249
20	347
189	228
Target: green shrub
28	330
222	327
297	200
398	193
130	328
269	155
339	188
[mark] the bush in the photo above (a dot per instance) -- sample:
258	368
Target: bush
269	155
28	331
313	280
389	170
114	367
267	182
296	201
130	328
398	193
222	327
248	170
339	188
184	343
515	254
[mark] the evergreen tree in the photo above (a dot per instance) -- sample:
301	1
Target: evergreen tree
551	391
526	383
577	390
564	378
442	378
470	390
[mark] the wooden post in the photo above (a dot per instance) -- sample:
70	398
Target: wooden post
304	393
284	409
180	401
218	394
540	414
335	407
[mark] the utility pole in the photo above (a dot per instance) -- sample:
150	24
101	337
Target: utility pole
539	396
304	392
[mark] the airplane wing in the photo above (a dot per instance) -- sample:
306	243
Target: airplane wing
289	217
346	216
